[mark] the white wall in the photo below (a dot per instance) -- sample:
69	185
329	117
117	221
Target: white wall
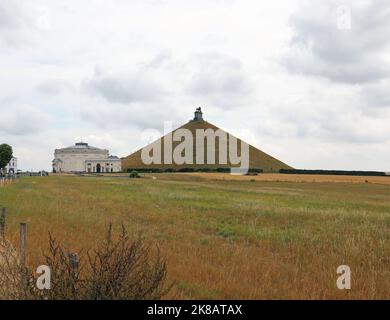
74	161
106	165
13	164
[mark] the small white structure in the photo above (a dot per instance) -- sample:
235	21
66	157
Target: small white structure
84	158
12	166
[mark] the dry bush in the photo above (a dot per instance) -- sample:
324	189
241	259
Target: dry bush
123	269
16	281
9	271
65	277
118	269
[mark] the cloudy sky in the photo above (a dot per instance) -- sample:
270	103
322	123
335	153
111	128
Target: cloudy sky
306	81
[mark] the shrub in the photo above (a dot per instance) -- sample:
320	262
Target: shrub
144	170
134	174
118	269
10	271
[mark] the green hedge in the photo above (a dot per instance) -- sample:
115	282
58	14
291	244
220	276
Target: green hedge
188	169
144	170
333	172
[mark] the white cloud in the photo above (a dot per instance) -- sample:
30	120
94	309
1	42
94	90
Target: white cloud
221	80
280	73
355	54
124	88
21	120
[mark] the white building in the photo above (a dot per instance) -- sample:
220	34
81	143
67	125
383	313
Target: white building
84	158
12	166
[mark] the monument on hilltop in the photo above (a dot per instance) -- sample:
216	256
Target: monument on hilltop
198	114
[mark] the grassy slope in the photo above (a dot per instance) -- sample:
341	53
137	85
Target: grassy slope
257	158
223	239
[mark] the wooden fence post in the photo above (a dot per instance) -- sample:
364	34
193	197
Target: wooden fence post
22	244
74	265
74	261
2	222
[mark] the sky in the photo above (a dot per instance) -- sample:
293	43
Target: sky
305	81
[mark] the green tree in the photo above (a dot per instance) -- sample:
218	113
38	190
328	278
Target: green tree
5	155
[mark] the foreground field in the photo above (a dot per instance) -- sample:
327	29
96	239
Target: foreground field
224	237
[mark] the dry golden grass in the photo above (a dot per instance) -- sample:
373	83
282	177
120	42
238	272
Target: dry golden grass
278	177
228	239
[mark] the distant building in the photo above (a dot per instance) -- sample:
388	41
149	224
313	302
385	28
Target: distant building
12	166
84	158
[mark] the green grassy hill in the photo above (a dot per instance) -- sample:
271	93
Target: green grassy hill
257	158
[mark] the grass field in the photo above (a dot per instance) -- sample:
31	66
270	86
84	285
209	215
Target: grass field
224	237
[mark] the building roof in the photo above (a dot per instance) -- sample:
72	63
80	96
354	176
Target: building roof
110	158
80	146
